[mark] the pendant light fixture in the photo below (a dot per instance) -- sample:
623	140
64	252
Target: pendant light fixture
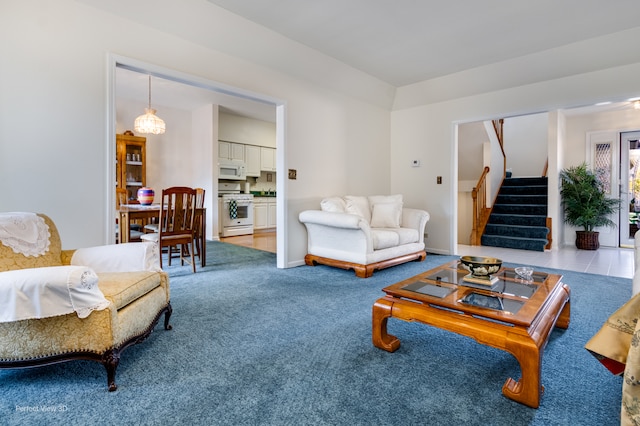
149	122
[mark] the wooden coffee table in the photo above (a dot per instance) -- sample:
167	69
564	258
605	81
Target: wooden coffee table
514	315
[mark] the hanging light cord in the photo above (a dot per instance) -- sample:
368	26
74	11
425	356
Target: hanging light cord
149	91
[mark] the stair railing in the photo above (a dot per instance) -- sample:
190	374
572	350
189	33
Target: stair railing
498	127
480	210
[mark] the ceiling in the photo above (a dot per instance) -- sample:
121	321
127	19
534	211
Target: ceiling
407	41
402	42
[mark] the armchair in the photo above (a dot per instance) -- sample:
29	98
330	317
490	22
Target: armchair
61	305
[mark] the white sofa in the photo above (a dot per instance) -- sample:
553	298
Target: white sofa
364	233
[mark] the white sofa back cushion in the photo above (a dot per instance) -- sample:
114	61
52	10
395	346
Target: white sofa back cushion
358	205
333	205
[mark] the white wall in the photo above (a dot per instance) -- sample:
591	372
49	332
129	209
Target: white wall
234	128
525	144
58	73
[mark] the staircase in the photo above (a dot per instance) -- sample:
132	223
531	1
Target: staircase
518	217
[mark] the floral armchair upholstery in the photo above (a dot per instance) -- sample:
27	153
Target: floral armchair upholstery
60	305
617	346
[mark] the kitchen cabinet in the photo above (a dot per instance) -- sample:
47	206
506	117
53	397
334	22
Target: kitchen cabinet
267	159
231	151
264	212
271	214
131	163
252	154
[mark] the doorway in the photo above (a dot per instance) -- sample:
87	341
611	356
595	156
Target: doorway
629	187
193	81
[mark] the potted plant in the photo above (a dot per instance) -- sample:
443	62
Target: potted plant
586	204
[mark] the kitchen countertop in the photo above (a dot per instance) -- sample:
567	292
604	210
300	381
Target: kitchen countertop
263	194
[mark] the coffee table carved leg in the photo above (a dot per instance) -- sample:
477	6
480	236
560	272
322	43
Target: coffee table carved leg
528	390
380	314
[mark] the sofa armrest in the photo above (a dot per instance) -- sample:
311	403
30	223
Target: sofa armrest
415	219
128	257
334	219
337	235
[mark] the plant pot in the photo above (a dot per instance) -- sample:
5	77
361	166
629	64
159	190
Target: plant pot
587	240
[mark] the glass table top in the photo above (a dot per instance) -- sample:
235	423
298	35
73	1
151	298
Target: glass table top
443	282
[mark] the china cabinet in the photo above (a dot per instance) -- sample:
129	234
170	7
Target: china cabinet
131	163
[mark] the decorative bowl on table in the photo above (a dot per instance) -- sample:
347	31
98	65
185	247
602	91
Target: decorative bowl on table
524	272
480	266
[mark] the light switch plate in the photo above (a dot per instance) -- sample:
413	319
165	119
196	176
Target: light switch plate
293	173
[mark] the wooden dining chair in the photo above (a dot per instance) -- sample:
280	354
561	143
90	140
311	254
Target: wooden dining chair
176	225
198	223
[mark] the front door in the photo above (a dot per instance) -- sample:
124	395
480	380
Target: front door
603	158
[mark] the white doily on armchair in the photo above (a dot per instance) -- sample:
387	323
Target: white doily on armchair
25	233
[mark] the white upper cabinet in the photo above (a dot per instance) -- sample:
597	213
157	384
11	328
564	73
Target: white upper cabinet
252	154
267	159
231	151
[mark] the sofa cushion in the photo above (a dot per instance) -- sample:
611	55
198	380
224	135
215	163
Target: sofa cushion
384	238
407	235
386	215
122	288
333	204
358	205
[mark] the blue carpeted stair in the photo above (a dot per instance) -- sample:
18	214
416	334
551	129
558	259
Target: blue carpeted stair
518	218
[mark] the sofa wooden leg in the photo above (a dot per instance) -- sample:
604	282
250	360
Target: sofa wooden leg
167	315
110	360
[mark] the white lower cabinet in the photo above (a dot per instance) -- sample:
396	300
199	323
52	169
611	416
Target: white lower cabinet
264	212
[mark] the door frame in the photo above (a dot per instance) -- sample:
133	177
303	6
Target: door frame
114	61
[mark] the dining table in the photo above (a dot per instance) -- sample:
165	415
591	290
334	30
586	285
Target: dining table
129	213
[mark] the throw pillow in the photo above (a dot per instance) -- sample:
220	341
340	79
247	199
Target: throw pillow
386	215
358	205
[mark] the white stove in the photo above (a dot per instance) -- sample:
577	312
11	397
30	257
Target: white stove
237	214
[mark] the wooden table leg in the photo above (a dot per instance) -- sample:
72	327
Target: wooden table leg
125	228
528	390
380	314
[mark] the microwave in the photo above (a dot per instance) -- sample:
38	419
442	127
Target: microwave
232	170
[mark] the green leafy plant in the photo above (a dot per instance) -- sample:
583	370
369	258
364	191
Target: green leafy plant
586	204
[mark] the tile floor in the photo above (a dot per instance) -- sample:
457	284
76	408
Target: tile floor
604	261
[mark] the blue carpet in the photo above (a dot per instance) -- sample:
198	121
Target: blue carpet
253	345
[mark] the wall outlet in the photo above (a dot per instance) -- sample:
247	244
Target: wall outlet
293	173
439	180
